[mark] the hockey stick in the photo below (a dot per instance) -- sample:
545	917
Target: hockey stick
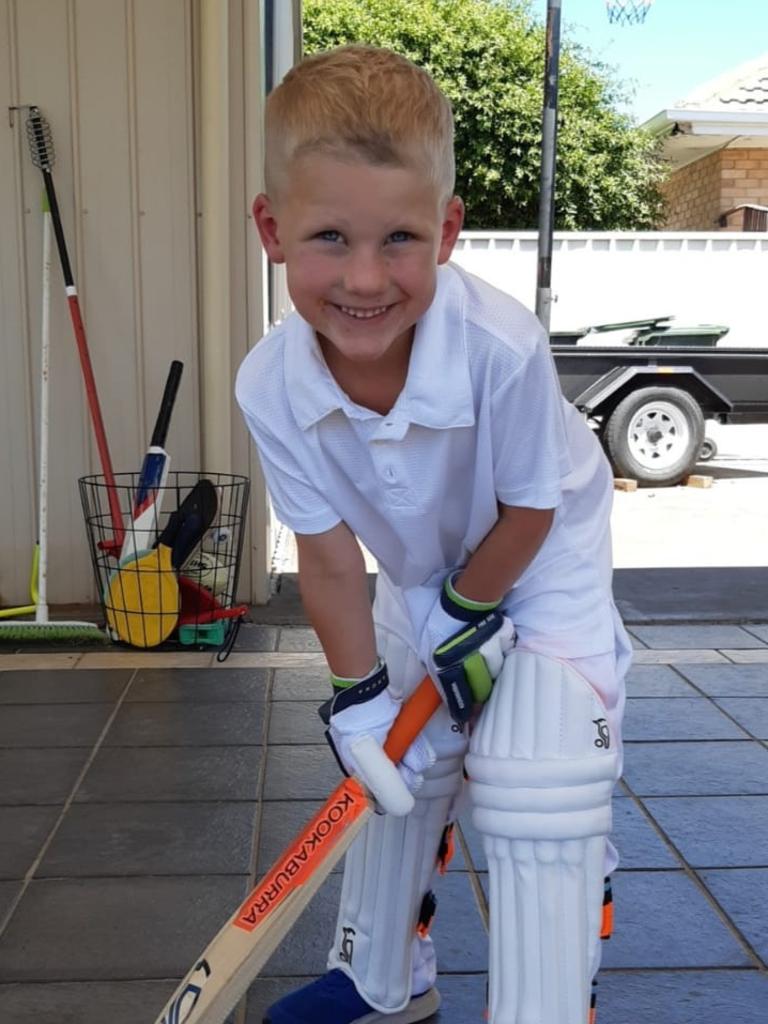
245	943
41	150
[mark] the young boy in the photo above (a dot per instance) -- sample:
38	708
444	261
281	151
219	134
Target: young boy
410	405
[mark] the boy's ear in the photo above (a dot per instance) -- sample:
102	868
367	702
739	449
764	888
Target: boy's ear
453	219
266	225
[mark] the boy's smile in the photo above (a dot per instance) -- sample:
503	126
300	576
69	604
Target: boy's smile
361	244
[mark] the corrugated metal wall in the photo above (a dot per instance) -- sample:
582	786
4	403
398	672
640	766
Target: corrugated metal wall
118	83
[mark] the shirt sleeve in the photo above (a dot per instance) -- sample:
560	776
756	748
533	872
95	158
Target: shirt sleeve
296	501
530	443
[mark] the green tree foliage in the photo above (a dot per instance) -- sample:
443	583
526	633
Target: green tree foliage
488	57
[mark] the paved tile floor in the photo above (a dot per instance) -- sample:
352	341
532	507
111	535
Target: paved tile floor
142	793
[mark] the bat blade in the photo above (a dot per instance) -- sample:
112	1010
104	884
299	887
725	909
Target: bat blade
153	474
236	955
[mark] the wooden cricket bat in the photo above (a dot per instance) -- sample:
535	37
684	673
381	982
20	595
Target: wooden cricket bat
242	947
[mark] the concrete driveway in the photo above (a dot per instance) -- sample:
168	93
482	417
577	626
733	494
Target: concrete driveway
723	525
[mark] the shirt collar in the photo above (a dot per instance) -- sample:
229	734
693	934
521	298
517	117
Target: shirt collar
438	389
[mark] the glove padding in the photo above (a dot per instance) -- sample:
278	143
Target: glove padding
359	718
464	645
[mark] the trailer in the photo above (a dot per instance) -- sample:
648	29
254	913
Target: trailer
648	399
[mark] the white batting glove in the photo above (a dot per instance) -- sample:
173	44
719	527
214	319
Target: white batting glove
359	717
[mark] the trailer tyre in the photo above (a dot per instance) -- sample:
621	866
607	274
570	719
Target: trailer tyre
654	436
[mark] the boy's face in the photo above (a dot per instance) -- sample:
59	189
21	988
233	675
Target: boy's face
361	245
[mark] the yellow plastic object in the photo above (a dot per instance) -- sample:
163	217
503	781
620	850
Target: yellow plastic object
142	602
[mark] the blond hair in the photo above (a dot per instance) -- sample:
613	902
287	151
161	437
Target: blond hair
365	103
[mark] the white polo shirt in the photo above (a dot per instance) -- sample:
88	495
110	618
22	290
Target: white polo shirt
481	419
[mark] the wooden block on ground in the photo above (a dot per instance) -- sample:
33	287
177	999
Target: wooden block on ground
698	481
621	483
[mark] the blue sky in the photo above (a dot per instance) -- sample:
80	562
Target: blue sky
681	45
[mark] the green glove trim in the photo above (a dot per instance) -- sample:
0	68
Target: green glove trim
453	602
342	683
478	677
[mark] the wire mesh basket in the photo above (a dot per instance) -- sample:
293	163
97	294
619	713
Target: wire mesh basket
174	580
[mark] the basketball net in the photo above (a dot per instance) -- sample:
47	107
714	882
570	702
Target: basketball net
627	12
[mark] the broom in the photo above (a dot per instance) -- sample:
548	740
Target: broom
41	628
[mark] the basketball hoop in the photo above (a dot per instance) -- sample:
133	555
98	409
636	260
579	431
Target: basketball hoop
627	12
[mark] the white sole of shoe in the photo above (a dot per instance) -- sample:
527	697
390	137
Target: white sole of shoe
419	1008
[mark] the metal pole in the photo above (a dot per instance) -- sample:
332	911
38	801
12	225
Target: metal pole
548	164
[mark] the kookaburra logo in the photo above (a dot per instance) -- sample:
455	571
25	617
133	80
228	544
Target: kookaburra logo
347	945
603	740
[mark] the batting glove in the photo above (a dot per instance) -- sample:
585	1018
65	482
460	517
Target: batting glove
359	717
464	644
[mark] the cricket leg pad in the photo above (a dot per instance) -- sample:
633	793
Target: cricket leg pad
333	999
387	873
542	766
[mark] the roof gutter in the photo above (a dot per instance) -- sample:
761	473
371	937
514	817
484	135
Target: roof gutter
684	121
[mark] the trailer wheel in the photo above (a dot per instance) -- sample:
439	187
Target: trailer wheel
708	450
654	436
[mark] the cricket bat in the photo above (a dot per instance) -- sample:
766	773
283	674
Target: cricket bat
143	529
236	955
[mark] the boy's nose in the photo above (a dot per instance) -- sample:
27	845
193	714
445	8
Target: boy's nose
365	274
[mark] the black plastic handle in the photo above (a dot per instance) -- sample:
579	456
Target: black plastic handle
160	432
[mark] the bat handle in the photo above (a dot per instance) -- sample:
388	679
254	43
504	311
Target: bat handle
414	715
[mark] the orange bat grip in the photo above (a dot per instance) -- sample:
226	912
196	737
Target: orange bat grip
415	713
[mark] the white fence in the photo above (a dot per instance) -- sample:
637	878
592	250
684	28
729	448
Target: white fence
597	278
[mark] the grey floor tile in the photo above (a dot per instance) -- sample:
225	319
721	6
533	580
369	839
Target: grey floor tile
659	718
729	680
86	1002
200	684
302	773
743	894
473	840
459	934
751	712
40	776
463	997
657	681
22	833
152	839
139	774
661	919
298	638
181	725
252	637
8	892
296	722
715	831
114	929
639	844
760	631
697	769
301	684
682	997
281	822
695	637
54	686
83	1003
52	725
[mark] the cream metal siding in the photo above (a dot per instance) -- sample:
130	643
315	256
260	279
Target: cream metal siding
118	81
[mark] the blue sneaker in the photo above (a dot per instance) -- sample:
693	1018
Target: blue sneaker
333	999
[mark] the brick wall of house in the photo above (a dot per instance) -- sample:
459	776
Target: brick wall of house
698	193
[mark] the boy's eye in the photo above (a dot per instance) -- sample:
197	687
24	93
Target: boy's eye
330	235
400	236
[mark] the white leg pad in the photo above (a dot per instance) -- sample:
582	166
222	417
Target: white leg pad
386	874
542	766
389	867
